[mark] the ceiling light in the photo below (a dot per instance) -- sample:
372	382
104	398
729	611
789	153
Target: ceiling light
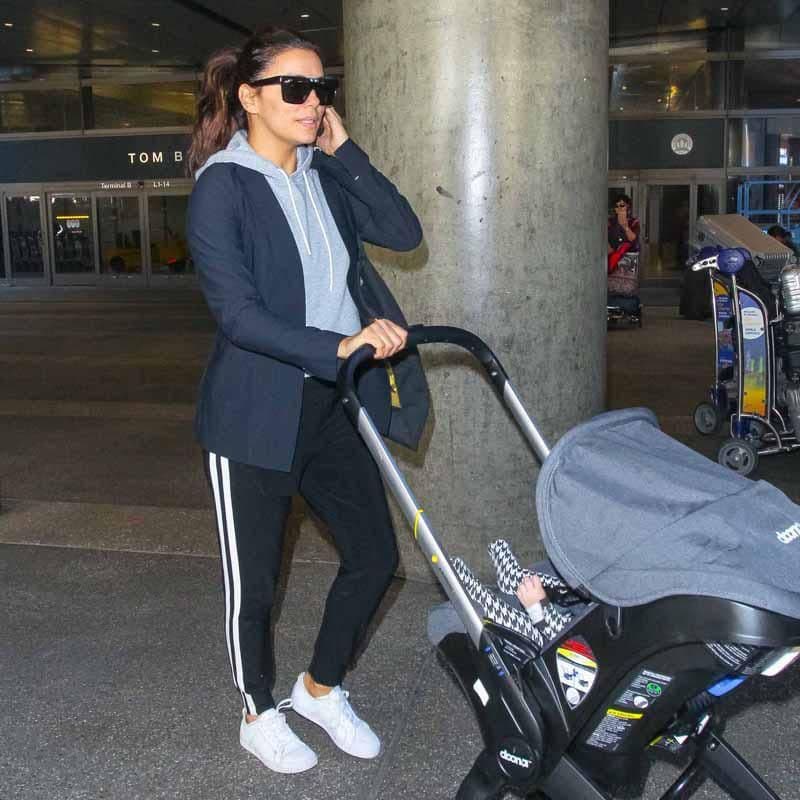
8	24
156	24
155	51
305	15
724	8
28	49
624	88
659	99
621	108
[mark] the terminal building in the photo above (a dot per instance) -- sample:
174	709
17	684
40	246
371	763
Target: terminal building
95	119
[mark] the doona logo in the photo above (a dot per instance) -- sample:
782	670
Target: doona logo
681	144
790	534
518	761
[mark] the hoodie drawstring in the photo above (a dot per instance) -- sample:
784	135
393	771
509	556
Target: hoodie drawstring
296	213
319	220
324	233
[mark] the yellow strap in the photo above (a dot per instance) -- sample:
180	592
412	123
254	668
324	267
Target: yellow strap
420	512
394	393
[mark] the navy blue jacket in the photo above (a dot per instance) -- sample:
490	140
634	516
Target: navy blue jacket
250	271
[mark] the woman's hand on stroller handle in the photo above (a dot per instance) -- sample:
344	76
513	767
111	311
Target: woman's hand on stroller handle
384	336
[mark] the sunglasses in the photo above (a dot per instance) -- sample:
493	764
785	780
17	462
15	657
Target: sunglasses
295	89
621	205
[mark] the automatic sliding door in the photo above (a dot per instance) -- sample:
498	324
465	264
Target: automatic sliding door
25	240
668	231
169	251
71	217
120	236
709	199
4	274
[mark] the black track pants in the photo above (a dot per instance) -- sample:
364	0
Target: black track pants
335	473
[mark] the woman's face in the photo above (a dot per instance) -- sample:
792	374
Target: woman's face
285	122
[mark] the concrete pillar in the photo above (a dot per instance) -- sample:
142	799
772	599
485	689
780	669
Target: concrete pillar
492	119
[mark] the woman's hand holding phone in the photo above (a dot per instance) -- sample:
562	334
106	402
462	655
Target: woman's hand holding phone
332	134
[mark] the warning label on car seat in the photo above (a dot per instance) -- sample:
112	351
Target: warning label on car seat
577	670
628	709
613	728
643	691
733	656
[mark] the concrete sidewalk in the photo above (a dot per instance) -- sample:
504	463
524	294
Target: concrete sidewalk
116	685
114	678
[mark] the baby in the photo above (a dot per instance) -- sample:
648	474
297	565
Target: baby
543	621
530	589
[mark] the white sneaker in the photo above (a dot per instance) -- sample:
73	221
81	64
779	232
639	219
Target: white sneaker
335	715
272	741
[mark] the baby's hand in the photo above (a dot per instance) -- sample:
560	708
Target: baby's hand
530	591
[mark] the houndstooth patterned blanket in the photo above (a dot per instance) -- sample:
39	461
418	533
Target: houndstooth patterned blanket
509	576
495	608
498	610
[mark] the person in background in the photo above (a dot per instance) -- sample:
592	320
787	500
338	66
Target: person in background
784	237
623	231
623	227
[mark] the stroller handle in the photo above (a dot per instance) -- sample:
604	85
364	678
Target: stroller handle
445	334
415	515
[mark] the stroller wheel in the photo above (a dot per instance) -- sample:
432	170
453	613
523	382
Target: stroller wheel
707	418
738	455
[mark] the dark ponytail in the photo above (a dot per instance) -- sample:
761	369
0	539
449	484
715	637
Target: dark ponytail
219	112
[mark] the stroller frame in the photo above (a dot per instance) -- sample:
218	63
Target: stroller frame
532	740
759	429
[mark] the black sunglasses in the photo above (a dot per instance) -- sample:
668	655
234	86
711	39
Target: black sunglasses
620	205
295	89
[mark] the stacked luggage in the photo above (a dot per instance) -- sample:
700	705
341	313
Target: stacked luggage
623	305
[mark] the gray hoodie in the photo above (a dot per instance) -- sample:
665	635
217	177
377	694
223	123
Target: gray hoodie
324	256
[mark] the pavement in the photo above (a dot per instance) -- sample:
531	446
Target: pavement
113	672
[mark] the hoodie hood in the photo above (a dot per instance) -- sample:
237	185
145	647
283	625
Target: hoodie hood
323	254
240	152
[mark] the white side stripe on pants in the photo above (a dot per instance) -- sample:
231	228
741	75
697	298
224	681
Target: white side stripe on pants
230	570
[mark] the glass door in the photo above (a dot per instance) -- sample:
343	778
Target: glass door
667	231
709	199
5	273
26	257
170	260
119	233
670	224
73	238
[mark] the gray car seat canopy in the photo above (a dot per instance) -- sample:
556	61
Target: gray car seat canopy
632	515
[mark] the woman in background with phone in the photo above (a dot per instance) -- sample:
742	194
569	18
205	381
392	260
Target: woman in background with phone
274	227
623	231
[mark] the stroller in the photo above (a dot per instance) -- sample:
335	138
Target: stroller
622	302
757	355
678	606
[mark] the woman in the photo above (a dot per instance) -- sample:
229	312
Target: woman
623	231
275	229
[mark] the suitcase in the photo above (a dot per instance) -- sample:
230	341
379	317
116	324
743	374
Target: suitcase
624	280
